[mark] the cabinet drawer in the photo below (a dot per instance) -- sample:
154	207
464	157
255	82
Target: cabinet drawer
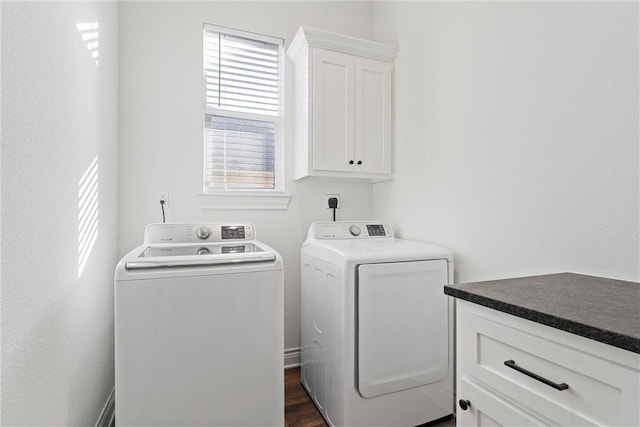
487	409
599	391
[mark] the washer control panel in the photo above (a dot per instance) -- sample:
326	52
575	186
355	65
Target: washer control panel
351	230
184	233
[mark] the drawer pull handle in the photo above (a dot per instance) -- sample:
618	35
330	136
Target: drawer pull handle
512	365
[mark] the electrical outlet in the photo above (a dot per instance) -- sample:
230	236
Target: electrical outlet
164	195
337	196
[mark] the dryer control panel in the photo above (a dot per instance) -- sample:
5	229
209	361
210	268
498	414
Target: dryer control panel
350	230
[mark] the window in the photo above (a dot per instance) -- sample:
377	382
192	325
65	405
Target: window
243	92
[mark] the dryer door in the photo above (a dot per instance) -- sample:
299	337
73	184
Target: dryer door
402	324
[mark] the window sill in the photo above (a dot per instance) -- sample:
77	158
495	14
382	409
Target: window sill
229	201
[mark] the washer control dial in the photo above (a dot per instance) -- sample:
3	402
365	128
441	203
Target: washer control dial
203	233
355	230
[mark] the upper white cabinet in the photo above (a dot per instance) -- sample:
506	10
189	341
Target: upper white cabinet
343	109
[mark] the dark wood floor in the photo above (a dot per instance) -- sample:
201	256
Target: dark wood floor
299	410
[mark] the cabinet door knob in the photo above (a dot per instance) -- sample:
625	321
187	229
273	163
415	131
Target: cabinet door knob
350	162
464	404
359	162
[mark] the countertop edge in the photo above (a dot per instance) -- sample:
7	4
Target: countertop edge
614	339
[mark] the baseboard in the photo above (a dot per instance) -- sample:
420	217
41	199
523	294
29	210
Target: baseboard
108	411
292	357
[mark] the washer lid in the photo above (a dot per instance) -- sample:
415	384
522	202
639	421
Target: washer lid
157	256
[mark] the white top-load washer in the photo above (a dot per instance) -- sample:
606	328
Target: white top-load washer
199	329
377	347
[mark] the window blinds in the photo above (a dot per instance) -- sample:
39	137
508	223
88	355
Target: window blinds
240	153
242	96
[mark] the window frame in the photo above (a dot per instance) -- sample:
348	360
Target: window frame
267	198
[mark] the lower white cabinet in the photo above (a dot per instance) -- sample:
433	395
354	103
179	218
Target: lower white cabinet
488	409
512	371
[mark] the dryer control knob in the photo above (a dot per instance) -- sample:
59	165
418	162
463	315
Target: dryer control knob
355	230
203	233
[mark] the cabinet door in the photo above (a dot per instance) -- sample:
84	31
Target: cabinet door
333	104
487	409
373	104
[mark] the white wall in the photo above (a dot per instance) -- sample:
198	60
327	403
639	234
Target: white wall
516	134
59	112
161	120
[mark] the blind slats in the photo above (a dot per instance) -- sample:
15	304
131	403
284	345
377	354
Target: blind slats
251	92
236	69
245	55
240	153
231	61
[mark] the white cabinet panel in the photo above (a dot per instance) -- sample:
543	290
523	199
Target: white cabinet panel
333	140
373	131
487	409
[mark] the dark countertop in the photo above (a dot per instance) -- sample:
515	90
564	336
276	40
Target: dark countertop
601	309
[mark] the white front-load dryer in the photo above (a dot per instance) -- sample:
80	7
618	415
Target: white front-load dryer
199	329
377	347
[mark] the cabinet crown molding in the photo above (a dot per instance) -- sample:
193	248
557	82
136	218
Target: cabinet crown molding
309	37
